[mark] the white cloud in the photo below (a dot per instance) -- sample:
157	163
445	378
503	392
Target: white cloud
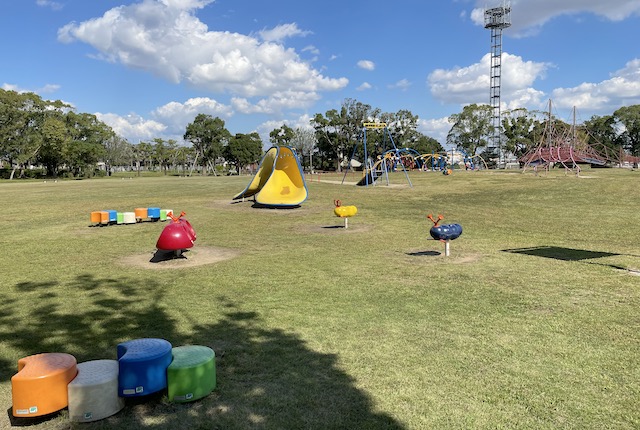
366	64
623	88
527	16
312	49
281	32
402	84
51	4
133	127
276	103
436	128
48	88
465	85
364	86
167	39
177	115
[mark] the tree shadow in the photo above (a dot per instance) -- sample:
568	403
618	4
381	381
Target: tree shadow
570	254
267	378
560	253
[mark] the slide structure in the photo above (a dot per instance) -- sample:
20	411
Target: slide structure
279	180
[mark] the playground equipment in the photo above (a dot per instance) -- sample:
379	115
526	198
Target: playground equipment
445	160
93	390
344	212
112	217
279	180
445	232
177	236
389	160
40	386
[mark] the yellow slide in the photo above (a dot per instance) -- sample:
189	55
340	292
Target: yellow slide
279	180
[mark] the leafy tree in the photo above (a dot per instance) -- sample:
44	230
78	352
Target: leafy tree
425	144
161	154
208	136
603	130
305	142
21	118
243	149
519	128
117	152
54	139
628	118
86	144
402	127
281	136
337	132
471	128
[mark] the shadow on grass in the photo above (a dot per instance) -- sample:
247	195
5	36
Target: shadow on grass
569	254
267	378
424	253
560	253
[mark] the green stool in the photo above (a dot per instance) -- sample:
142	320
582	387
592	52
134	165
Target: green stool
192	373
120	218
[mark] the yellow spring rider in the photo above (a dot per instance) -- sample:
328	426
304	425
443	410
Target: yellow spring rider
344	212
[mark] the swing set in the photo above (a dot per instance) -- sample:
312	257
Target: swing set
388	161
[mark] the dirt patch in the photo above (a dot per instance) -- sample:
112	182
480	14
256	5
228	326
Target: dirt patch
194	257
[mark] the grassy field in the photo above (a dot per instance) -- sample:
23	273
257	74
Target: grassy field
533	322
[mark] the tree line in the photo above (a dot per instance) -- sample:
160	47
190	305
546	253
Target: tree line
523	130
52	136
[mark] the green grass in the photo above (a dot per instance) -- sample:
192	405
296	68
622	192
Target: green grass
532	322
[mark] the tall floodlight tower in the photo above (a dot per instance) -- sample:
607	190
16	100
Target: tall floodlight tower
496	19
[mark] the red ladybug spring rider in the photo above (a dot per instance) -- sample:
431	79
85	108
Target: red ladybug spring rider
177	236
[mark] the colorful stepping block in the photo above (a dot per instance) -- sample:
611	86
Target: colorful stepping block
40	386
153	214
129	217
141	213
120	218
93	394
143	366
192	373
113	216
96	217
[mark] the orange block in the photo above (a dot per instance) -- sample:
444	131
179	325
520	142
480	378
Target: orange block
40	386
104	217
141	213
96	217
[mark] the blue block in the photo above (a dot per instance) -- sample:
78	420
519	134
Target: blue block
143	366
153	213
113	215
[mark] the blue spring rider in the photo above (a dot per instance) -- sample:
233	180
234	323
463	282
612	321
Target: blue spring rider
445	232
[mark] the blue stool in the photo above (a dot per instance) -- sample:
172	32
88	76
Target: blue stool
153	214
143	366
113	216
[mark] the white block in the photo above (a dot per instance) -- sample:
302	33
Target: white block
93	394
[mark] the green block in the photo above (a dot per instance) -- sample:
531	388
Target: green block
192	373
120	218
163	214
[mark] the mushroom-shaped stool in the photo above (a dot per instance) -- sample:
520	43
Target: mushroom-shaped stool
344	212
445	232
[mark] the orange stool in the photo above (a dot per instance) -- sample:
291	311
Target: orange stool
104	217
141	214
40	386
95	217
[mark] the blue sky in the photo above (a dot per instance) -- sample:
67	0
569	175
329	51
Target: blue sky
148	67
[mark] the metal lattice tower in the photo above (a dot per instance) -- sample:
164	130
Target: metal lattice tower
496	19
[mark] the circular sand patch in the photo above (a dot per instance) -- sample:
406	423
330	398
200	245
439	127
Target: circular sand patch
196	256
